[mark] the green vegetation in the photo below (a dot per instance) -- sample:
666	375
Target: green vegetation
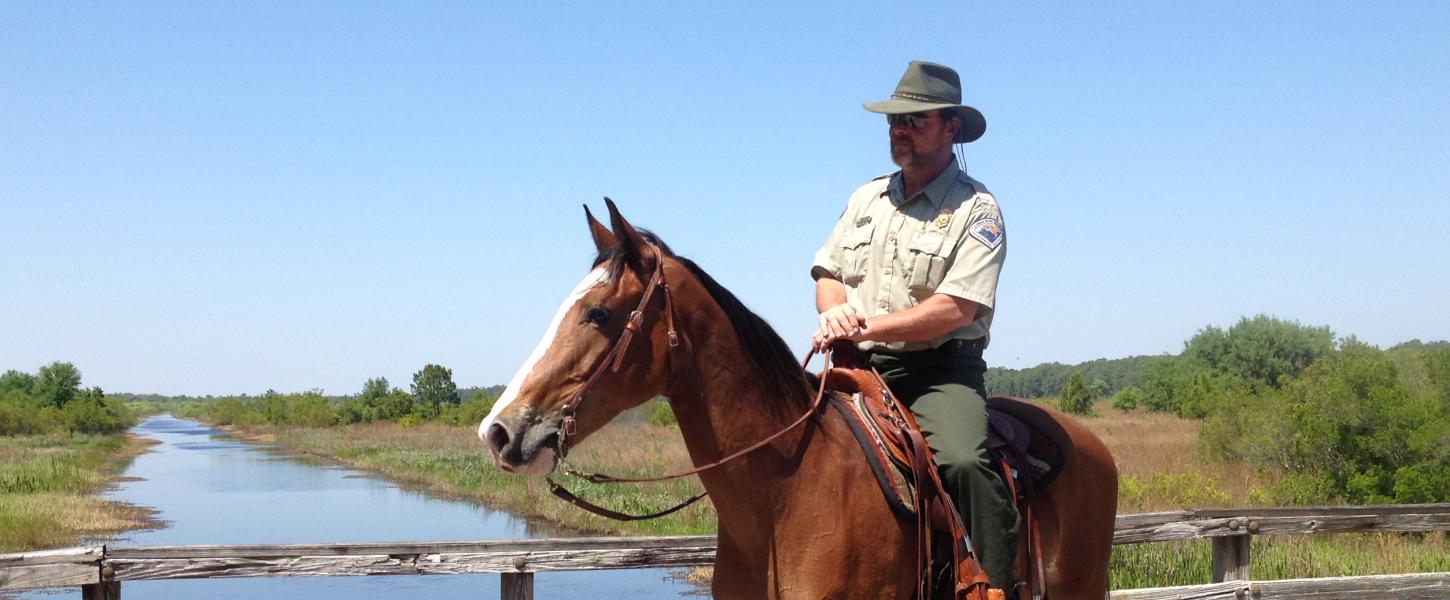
1330	420
1047	379
52	401
447	459
59	443
1127	398
661	414
434	398
1355	426
45	487
1075	397
1165	564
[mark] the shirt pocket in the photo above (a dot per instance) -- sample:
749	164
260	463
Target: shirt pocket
927	260
855	254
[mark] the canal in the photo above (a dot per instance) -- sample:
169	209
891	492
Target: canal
210	488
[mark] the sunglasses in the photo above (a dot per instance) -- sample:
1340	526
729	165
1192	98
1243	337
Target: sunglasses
911	121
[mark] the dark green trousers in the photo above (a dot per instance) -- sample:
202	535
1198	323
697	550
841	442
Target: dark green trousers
945	392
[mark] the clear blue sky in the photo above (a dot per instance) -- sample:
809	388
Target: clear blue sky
214	198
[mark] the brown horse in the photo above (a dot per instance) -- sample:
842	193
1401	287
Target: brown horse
801	517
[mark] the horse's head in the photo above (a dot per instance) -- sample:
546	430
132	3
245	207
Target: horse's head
523	431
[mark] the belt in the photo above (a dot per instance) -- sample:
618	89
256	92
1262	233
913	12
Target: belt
952	347
960	346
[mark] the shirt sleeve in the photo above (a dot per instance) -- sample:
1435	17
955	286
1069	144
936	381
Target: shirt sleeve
981	251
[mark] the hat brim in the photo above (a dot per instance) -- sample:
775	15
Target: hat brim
973	123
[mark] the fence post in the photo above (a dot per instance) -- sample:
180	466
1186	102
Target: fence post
518	586
105	590
1231	558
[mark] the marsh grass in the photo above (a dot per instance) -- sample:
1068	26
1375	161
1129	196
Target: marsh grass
1283	557
46	487
1159	460
450	460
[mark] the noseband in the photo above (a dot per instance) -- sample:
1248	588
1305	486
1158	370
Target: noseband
611	363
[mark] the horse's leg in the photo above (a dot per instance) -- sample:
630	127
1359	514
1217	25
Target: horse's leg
1076	512
735	578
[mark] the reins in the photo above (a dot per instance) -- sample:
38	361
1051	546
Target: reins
611	363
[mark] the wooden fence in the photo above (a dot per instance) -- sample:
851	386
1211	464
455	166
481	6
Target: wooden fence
100	570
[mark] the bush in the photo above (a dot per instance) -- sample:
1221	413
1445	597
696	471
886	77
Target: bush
662	415
1350	428
1127	398
309	410
1076	398
471	412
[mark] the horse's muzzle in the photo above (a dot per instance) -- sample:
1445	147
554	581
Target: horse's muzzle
523	445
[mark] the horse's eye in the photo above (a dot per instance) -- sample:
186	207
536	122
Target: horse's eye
597	315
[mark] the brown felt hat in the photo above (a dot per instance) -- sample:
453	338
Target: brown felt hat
930	86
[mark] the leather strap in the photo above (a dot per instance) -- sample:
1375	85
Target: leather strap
567	496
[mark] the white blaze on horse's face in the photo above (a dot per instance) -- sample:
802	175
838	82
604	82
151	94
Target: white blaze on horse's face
544	460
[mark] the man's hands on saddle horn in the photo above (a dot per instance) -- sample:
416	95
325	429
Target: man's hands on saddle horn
840	322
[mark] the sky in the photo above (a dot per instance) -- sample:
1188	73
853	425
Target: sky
223	198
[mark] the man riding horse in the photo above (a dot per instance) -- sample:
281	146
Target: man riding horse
909	274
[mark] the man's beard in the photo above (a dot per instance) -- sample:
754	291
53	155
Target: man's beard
904	155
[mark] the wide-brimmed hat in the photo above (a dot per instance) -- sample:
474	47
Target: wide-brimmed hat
930	86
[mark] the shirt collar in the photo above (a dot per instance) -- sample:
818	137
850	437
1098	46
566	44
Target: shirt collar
935	192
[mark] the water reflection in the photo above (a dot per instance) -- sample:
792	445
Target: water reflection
212	489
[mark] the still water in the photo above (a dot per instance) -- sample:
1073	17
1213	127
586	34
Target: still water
212	489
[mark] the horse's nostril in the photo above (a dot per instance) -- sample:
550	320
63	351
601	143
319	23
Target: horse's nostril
497	437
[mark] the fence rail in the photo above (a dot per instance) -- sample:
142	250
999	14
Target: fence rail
100	570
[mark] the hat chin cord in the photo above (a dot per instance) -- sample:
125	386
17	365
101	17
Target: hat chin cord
961	152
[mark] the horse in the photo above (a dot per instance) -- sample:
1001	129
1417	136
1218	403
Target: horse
800	516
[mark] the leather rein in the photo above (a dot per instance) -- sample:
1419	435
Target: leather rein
611	362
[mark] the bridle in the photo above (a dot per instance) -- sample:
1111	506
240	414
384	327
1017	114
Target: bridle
611	362
615	357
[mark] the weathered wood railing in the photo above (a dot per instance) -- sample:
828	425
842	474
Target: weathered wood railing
100	570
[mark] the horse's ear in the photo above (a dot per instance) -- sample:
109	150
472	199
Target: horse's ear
603	238
631	243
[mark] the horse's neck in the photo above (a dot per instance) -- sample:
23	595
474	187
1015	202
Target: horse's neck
726	409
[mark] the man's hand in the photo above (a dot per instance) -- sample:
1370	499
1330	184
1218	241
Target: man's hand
838	322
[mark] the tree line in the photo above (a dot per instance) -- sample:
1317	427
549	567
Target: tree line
53	401
432	396
1340	419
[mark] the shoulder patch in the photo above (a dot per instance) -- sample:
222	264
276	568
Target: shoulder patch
987	231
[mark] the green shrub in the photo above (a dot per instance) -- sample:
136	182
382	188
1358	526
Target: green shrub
471	412
1127	398
1075	398
662	415
309	410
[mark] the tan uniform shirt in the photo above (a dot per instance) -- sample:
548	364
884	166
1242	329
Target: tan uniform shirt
893	252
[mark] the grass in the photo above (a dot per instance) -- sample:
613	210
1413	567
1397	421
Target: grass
47	484
1161	467
450	460
1160	464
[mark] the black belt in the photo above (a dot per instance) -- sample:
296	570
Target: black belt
952	347
960	346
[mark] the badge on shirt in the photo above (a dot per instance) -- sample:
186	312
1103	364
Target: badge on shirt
863	221
987	231
944	219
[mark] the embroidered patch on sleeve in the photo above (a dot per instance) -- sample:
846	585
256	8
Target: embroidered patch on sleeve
987	231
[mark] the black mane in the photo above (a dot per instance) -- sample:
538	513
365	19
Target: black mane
767	353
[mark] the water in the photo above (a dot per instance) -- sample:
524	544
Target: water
212	489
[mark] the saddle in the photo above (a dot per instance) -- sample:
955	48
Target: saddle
1022	448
